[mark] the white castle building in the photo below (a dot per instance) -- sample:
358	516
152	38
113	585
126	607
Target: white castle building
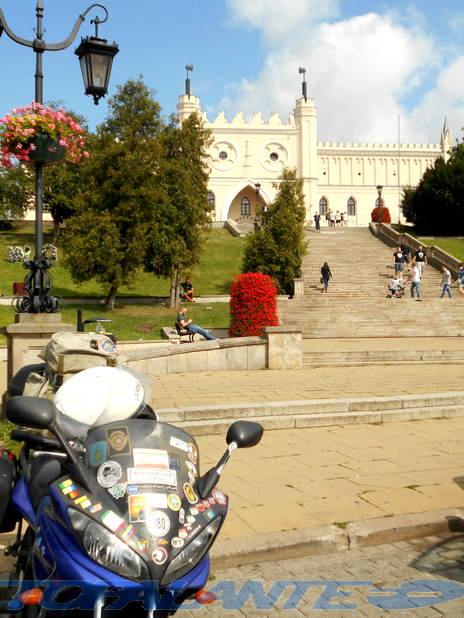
246	158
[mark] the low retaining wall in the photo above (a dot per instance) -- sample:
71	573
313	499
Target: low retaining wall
279	347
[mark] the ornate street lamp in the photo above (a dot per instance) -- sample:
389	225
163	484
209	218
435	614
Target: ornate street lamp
96	60
379	212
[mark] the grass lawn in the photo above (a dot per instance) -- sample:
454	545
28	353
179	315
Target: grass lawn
453	246
221	262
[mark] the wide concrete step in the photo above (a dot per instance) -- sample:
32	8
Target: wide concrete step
360	358
211	420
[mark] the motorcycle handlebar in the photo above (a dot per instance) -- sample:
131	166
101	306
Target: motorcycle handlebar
35	440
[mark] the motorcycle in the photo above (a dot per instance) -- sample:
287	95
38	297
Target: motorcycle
117	512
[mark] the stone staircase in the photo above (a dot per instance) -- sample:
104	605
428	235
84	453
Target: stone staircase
356	304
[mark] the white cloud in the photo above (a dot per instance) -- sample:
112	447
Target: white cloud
362	72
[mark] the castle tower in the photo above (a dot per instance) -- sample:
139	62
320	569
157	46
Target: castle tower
306	123
188	103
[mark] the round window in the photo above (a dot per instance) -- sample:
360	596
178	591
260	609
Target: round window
274	156
223	155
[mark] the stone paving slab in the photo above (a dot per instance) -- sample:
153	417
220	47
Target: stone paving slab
304	479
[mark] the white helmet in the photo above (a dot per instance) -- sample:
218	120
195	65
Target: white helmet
101	395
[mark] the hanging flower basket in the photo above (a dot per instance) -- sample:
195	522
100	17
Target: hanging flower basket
35	133
44	148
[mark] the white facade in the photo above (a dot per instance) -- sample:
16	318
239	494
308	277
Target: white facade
336	176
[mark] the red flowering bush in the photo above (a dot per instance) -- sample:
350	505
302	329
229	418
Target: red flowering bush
253	304
385	215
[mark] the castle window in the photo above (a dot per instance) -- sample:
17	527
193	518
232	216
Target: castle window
211	200
322	206
223	155
351	207
274	156
245	206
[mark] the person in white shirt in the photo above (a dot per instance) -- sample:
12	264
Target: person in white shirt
446	281
415	281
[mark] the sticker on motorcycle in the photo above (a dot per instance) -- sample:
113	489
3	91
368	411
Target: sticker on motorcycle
109	473
150	458
112	521
97	453
159	555
142	545
68	490
220	497
158	523
192	453
174	462
118	441
151	475
128	532
191	468
180	444
118	491
181	516
209	514
174	502
95	508
137	508
189	493
83	501
157	501
177	542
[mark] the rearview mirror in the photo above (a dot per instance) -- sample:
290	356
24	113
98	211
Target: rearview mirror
31	412
245	434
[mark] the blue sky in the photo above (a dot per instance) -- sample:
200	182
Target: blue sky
367	61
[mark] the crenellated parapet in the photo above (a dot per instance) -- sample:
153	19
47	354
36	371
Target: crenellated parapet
257	122
378	147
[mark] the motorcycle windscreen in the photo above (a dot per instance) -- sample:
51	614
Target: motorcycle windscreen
147	473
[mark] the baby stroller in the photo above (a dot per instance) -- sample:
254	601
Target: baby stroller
396	289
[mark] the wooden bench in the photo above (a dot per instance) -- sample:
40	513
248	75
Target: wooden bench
182	332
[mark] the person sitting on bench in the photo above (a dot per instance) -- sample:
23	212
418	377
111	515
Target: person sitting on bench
190	326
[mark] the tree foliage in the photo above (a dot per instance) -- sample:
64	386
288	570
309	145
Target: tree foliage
106	237
182	211
277	248
436	205
61	182
16	192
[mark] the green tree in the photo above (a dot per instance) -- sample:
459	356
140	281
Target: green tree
16	193
182	212
277	248
62	182
436	205
106	237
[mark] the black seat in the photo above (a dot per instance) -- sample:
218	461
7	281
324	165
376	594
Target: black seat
182	332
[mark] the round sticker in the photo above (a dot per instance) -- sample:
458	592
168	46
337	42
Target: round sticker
109	474
220	497
174	502
158	523
190	494
159	555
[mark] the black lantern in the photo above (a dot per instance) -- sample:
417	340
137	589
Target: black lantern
96	58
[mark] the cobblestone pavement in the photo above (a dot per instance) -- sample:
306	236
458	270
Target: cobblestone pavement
436	562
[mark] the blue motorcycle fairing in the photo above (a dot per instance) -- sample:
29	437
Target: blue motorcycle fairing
22	501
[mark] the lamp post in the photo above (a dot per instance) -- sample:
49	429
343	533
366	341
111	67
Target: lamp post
257	189
96	58
379	212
